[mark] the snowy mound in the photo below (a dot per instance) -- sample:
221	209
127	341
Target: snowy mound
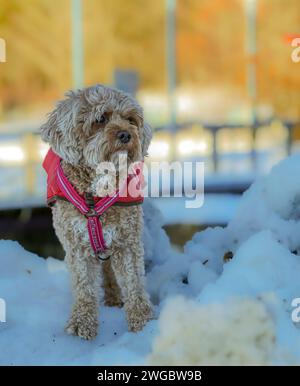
272	203
209	311
239	333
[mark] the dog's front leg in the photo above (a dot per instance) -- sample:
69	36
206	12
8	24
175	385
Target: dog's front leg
85	272
128	266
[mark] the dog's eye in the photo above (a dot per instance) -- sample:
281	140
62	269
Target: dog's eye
100	123
102	120
132	121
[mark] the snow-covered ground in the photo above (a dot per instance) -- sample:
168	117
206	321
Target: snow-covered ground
209	312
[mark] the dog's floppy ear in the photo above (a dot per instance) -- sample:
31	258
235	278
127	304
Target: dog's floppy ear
60	129
146	138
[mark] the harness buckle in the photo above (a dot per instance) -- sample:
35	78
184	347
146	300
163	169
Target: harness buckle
91	213
98	255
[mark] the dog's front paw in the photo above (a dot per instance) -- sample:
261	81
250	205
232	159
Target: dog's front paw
138	315
83	324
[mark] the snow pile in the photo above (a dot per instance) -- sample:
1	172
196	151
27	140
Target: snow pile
233	313
272	202
262	270
264	239
234	333
169	271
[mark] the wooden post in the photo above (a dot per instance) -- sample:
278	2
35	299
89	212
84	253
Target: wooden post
30	145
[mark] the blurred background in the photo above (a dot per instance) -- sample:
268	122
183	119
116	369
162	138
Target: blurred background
215	77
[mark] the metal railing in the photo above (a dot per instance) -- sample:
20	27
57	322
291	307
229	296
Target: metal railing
31	153
216	128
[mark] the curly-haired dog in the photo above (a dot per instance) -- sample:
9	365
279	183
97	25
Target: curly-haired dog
91	126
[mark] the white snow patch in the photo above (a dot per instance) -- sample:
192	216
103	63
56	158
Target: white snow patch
234	333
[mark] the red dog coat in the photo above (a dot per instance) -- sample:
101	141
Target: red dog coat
59	188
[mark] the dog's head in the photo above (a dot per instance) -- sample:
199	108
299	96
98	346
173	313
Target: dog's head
96	124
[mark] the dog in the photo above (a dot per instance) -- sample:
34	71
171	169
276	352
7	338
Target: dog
91	126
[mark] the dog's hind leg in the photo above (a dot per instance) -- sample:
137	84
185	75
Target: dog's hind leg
85	272
112	292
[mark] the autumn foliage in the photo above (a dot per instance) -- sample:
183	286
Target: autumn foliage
130	34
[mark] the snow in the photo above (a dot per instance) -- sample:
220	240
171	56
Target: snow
216	209
38	300
197	343
208	311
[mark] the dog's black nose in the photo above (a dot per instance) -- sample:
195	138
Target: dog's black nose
124	136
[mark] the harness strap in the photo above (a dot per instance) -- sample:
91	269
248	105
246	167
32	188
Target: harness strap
88	208
70	192
96	235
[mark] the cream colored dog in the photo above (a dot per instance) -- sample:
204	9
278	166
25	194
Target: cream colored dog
90	126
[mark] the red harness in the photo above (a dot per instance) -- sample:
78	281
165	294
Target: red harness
59	188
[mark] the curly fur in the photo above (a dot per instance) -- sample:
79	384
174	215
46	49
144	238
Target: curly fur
74	133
